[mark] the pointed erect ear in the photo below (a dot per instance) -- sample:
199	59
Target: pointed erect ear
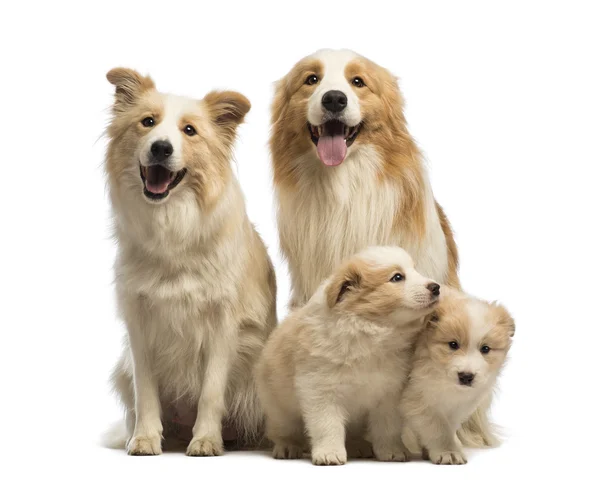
347	279
227	110
129	84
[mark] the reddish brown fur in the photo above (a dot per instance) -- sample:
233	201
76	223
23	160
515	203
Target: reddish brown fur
384	127
365	289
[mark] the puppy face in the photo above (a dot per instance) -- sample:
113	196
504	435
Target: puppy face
332	102
468	339
382	283
161	144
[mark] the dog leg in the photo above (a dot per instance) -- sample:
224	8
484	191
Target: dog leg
357	446
207	440
385	432
477	431
325	423
286	432
439	441
147	432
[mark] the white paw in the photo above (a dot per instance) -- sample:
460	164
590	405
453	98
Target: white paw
331	457
287	452
448	458
141	445
205	447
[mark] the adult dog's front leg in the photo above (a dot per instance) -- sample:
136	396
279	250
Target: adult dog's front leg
207	439
147	434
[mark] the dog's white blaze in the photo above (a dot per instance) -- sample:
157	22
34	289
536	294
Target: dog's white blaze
473	360
168	129
388	256
334	78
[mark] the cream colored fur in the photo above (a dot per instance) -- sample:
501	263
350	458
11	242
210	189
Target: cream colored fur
196	291
335	212
326	214
434	404
340	361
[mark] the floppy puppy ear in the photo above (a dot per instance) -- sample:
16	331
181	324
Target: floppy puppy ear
348	279
505	319
432	320
129	85
227	110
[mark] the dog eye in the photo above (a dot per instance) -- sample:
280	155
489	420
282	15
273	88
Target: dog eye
358	82
454	345
311	80
148	122
485	349
189	130
398	277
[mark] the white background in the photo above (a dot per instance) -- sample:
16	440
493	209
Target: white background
504	101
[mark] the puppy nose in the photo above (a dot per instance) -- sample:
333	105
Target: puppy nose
334	101
434	288
465	378
161	149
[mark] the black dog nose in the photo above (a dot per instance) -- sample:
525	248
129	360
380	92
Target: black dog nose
434	288
465	378
161	149
334	101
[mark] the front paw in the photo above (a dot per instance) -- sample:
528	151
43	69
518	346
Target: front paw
391	453
205	447
282	451
141	445
448	458
329	457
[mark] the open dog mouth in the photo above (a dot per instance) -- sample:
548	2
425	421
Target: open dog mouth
159	181
332	140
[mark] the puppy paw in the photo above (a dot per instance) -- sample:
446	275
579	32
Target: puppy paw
395	454
205	447
283	451
359	448
329	457
141	445
448	458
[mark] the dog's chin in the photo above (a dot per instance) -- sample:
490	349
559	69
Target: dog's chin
159	181
427	306
332	139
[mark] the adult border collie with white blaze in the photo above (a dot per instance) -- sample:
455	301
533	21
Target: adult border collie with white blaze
348	175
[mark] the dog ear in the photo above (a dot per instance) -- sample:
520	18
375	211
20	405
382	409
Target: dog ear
129	85
227	110
347	279
432	320
504	318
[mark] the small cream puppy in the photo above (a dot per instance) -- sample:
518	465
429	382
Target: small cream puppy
457	360
341	360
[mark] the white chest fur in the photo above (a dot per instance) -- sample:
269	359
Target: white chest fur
337	211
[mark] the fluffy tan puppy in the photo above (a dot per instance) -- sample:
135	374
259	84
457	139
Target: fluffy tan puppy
457	361
341	360
195	287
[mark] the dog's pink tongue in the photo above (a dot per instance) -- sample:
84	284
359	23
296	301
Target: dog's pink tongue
157	179
332	149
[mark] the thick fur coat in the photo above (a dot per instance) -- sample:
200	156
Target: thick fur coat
195	287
